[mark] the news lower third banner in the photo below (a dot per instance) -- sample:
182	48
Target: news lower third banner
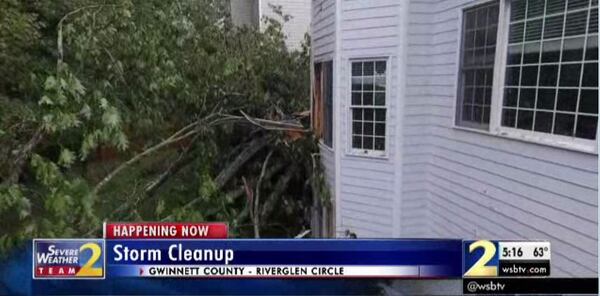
201	250
142	252
287	258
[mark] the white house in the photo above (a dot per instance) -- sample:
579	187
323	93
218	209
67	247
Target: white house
251	12
462	119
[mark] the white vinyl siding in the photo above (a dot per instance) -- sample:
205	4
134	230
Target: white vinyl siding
299	23
369	186
467	184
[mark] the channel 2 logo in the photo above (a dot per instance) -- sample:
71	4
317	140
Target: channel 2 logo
480	258
68	259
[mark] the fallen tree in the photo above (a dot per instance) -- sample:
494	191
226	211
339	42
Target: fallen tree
151	110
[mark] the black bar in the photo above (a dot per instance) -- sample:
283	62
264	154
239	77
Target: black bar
530	286
524	268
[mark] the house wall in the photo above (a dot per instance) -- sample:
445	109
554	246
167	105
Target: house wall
323	28
244	12
367	187
464	184
298	25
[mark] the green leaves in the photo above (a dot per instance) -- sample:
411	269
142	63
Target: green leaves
111	117
66	158
131	75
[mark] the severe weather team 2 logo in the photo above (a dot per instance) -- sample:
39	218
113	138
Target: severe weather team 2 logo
68	258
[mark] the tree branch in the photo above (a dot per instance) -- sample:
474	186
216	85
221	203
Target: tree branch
172	139
23	155
226	174
256	212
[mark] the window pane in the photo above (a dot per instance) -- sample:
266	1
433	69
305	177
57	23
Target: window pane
368	83
379	143
356	83
357	114
573	49
357	128
548	75
509	117
534	30
379	98
380	129
517	11
575	4
512	75
368	114
586	127
529	75
491	35
368	98
590	75
487	98
492	18
525	120
481	18
567	100
480	38
563	124
555	6
516	33
510	97
576	23
591	53
486	114
569	75
543	122
357	142
380	115
532	53
477	113
527	98
380	68
588	103
554	26
368	68
593	26
514	54
368	128
356	98
368	143
356	69
535	8
546	98
380	83
469	95
467	112
551	51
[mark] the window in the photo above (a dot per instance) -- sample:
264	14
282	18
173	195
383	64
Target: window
548	90
480	27
323	102
551	83
368	106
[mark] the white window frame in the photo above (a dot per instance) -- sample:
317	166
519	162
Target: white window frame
495	126
368	152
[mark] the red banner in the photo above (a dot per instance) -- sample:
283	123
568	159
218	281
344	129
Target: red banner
56	271
159	230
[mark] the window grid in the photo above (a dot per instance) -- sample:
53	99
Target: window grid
512	112
368	105
480	27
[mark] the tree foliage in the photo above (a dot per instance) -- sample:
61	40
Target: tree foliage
141	110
